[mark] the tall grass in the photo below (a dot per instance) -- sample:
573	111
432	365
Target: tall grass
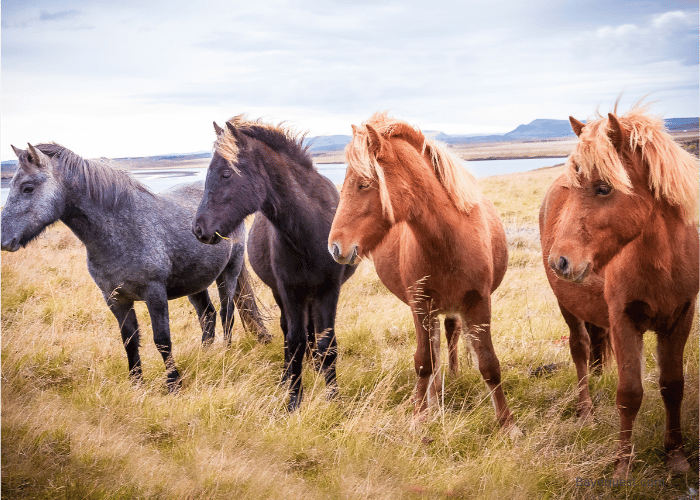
74	427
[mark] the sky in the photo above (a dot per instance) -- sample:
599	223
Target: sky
139	78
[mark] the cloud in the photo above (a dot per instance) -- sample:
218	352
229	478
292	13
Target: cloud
58	16
463	67
669	36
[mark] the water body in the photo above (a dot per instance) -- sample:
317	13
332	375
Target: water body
160	180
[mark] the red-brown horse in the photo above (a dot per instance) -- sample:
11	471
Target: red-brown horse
620	248
437	244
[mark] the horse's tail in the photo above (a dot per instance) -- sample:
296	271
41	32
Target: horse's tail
601	347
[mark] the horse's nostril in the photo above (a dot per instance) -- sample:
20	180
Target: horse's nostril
335	250
563	264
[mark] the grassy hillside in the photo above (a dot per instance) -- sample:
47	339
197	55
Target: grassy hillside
74	427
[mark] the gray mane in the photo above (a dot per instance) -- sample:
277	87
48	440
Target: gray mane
110	187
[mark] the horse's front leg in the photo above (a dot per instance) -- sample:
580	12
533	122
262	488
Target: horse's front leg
477	314
323	312
126	317
157	302
627	345
670	348
427	357
296	314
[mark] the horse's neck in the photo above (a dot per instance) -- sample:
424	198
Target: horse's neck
433	217
291	205
89	221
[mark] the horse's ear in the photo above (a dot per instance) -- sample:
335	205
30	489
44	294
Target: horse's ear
616	132
354	129
36	158
17	151
576	125
218	129
375	141
236	135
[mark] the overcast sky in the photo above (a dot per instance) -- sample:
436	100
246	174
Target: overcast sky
137	78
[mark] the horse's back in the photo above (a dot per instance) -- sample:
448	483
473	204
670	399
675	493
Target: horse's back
163	248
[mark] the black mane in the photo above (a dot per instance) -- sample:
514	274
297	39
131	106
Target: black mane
279	140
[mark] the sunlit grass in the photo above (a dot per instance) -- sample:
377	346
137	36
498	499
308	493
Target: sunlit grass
73	426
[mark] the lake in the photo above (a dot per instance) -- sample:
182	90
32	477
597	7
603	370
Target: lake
160	180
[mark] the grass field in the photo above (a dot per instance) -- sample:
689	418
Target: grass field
73	427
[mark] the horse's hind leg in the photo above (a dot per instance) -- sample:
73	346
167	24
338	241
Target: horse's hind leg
600	347
244	299
453	329
206	314
126	317
226	289
670	348
580	346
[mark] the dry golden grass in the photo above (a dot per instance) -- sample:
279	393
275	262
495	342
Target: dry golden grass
74	427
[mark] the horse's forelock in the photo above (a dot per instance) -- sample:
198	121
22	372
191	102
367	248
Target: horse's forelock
673	172
363	164
458	182
226	146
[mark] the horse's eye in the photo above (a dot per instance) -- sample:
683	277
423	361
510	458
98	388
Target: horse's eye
602	189
27	189
226	173
364	185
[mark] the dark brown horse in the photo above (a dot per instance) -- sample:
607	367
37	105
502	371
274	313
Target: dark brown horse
620	248
258	167
437	244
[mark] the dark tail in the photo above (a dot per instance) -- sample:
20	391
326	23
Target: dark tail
601	347
248	308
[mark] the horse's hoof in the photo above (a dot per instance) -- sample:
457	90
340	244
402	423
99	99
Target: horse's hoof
585	415
264	338
332	393
513	432
623	467
293	405
136	378
174	383
677	463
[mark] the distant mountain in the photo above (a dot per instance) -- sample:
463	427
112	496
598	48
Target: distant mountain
682	124
541	129
326	142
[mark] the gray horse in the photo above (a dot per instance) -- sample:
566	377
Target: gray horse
139	245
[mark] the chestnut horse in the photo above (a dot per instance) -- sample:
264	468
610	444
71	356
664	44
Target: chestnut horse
620	249
437	244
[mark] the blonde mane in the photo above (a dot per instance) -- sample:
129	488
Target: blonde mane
673	172
457	181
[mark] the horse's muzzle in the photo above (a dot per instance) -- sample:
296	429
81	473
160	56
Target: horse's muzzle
351	258
566	270
211	239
